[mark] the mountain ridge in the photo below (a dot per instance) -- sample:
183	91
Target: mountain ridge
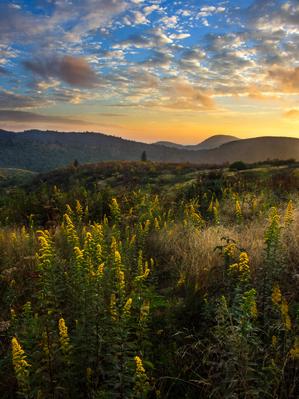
41	151
211	142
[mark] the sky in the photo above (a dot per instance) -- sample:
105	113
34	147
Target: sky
151	70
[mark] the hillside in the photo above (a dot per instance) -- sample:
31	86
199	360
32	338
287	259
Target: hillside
43	151
208	144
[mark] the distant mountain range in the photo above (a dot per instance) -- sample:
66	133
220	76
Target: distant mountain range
41	151
208	144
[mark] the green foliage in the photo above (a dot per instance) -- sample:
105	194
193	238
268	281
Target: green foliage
93	305
238	165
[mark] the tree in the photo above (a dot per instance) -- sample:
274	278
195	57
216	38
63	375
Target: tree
238	165
143	156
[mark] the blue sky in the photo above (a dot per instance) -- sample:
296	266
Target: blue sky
179	70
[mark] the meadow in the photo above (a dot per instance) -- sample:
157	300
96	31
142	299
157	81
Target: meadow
146	280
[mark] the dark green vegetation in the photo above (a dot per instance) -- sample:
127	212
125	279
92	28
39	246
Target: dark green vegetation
145	280
43	151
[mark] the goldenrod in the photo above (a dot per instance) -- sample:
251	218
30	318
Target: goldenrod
63	336
294	352
113	310
139	366
284	309
20	364
144	310
127	307
276	295
288	217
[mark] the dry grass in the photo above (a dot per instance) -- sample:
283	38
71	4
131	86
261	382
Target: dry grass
192	252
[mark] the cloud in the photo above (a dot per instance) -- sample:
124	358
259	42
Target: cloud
287	79
3	71
10	100
292	113
179	36
22	116
72	70
182	93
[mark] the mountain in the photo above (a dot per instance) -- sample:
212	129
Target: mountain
42	151
212	142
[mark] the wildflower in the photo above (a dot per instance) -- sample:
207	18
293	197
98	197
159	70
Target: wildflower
284	310
244	262
127	307
242	266
100	271
79	210
140	263
78	253
20	364
294	352
249	303
114	245
230	249
71	232
63	336
141	380
120	275
238	211
139	366
274	341
288	217
144	310
272	233
115	210
276	295
113	310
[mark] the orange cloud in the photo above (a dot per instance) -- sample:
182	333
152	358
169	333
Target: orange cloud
287	78
292	113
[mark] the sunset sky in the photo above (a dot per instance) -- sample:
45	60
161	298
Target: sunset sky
151	70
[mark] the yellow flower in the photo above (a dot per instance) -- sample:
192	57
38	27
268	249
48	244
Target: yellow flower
127	307
120	275
230	249
274	341
288	217
79	209
238	211
144	310
242	266
244	262
294	352
276	295
284	309
100	271
78	253
141	380
63	336
139	366
20	364
113	310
